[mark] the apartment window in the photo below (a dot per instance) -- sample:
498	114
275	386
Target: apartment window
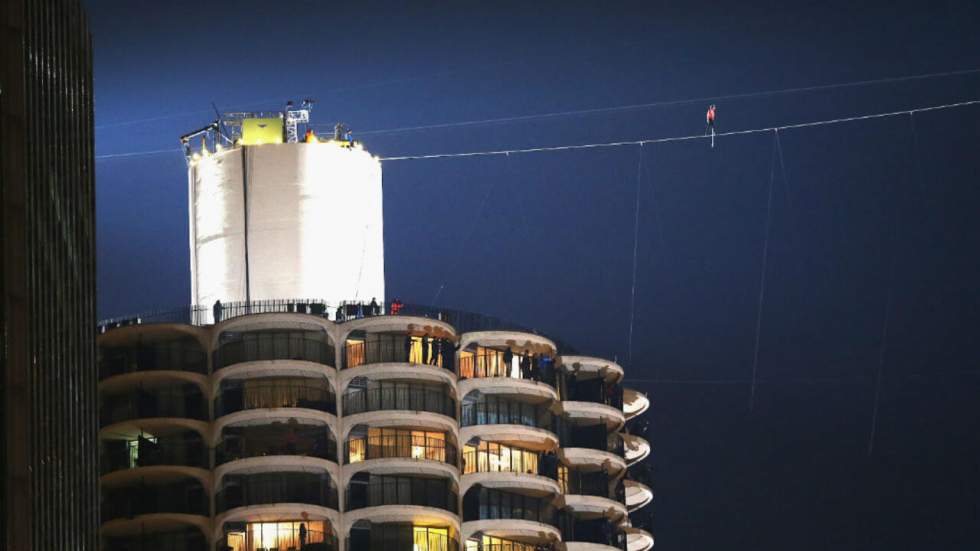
493	457
279	535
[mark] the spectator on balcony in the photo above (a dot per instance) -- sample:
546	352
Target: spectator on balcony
302	535
425	350
408	348
291	440
526	365
508	361
375	309
216	310
436	351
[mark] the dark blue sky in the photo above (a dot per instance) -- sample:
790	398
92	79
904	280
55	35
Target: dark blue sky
863	208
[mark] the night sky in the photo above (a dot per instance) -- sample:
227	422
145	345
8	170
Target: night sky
861	212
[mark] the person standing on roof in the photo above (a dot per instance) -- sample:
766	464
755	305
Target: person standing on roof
709	118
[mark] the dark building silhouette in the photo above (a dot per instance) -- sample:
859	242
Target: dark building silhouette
48	400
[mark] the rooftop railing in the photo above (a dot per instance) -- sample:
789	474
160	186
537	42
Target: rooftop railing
463	321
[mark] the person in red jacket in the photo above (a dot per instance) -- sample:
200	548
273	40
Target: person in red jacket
709	118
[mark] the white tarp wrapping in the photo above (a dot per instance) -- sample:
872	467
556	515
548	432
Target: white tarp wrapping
314	224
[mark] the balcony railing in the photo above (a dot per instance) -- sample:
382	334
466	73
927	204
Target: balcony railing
117	455
145	405
491	410
277	393
263	441
594	437
480	366
144	500
278	487
600	531
513	460
397	537
253	346
312	540
183	354
596	391
190	539
593	484
404	446
400	396
492	504
401	490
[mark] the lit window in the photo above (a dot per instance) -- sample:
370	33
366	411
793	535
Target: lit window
430	539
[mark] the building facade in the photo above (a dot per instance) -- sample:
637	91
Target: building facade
49	493
263	423
286	430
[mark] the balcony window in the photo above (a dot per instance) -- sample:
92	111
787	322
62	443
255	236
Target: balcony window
402	443
371	348
400	537
484	362
183	401
494	410
290	438
275	487
275	392
237	347
364	396
491	504
429	539
370	490
490	543
491	457
298	535
180	354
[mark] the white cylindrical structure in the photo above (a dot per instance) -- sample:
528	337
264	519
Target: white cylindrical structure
284	221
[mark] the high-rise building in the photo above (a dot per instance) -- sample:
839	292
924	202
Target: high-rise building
284	423
48	397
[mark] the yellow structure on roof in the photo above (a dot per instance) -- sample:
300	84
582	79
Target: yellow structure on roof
258	131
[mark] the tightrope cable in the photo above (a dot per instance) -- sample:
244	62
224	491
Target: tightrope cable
680	138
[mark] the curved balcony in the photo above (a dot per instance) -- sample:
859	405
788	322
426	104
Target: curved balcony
366	490
395	395
496	465
153	352
591	445
638	539
275	438
577	394
173	446
635	448
592	491
638	495
263	345
635	403
298	535
591	533
486	538
363	348
366	444
275	392
479	362
184	402
428	535
590	367
244	490
489	409
177	496
156	538
522	514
